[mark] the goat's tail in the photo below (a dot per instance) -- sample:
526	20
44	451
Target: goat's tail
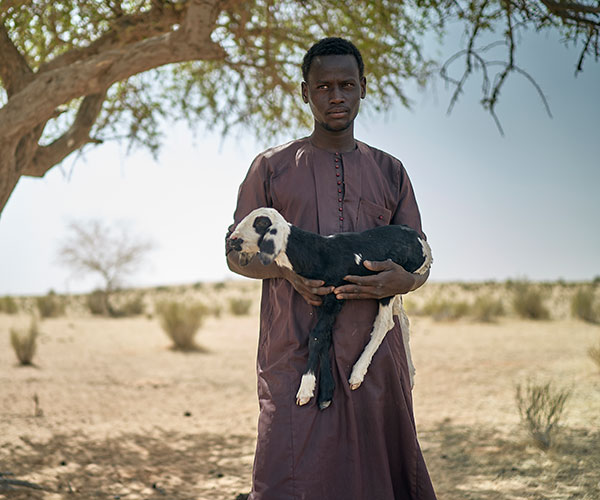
428	259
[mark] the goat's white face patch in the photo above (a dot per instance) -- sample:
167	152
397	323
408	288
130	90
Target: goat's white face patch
264	232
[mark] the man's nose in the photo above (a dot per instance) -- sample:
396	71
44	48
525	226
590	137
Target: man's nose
336	95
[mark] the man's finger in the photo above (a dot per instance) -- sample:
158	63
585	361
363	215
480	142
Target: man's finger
354	290
312	283
378	265
361	280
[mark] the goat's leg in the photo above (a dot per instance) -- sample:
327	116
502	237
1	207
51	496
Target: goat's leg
319	342
309	378
326	382
384	322
405	328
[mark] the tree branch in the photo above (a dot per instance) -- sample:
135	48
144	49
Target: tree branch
76	137
38	101
14	70
566	7
124	30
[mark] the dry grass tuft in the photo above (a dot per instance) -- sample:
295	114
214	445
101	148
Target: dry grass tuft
541	407
181	322
445	310
583	307
594	354
24	342
96	303
528	301
240	306
8	305
487	309
129	306
50	305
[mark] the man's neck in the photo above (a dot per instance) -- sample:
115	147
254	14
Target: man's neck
335	142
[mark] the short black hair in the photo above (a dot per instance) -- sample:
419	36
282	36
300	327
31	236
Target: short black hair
332	46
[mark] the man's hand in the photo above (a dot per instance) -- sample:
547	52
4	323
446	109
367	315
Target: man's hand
391	279
311	290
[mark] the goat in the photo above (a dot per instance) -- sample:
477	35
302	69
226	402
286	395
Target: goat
330	258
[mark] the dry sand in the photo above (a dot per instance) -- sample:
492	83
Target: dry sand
120	415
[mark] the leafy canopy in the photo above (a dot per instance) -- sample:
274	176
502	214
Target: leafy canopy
244	69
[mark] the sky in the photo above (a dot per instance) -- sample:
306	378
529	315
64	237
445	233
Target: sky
521	206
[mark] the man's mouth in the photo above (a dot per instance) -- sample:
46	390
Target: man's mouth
338	113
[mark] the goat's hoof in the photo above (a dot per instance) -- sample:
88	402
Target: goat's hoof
324	404
302	401
355	385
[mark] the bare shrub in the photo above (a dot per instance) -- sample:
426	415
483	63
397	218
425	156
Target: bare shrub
528	302
50	305
583	307
594	354
8	305
181	322
541	407
487	309
240	306
445	310
111	252
24	342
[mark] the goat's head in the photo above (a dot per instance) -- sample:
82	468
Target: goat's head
264	232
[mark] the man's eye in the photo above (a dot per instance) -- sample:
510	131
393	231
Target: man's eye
323	86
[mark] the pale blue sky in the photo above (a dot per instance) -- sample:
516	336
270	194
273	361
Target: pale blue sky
523	205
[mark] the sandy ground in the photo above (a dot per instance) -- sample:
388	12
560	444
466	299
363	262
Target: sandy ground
120	415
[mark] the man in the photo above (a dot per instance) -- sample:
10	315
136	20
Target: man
364	446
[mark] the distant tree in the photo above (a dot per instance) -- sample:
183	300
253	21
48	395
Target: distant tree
77	73
111	252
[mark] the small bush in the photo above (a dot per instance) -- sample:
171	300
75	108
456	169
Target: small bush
132	307
8	305
487	309
541	407
181	322
240	306
97	303
582	306
445	310
528	302
50	305
594	354
24	342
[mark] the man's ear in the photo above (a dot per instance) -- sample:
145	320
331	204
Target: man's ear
363	87
304	89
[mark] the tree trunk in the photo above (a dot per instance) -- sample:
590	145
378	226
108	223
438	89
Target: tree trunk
9	176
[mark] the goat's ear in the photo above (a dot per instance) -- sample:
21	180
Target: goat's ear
267	250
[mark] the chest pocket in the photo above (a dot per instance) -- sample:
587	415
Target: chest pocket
371	215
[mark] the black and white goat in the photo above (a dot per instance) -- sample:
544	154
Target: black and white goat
265	232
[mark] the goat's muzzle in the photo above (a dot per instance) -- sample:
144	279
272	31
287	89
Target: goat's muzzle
235	244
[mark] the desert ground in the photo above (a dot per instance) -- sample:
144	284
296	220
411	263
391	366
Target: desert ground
109	410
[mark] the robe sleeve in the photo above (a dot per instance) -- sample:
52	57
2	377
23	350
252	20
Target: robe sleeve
254	192
407	210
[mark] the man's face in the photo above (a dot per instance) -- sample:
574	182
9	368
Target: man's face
333	91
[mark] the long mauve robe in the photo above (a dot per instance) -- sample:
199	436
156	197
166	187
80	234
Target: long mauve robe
364	446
